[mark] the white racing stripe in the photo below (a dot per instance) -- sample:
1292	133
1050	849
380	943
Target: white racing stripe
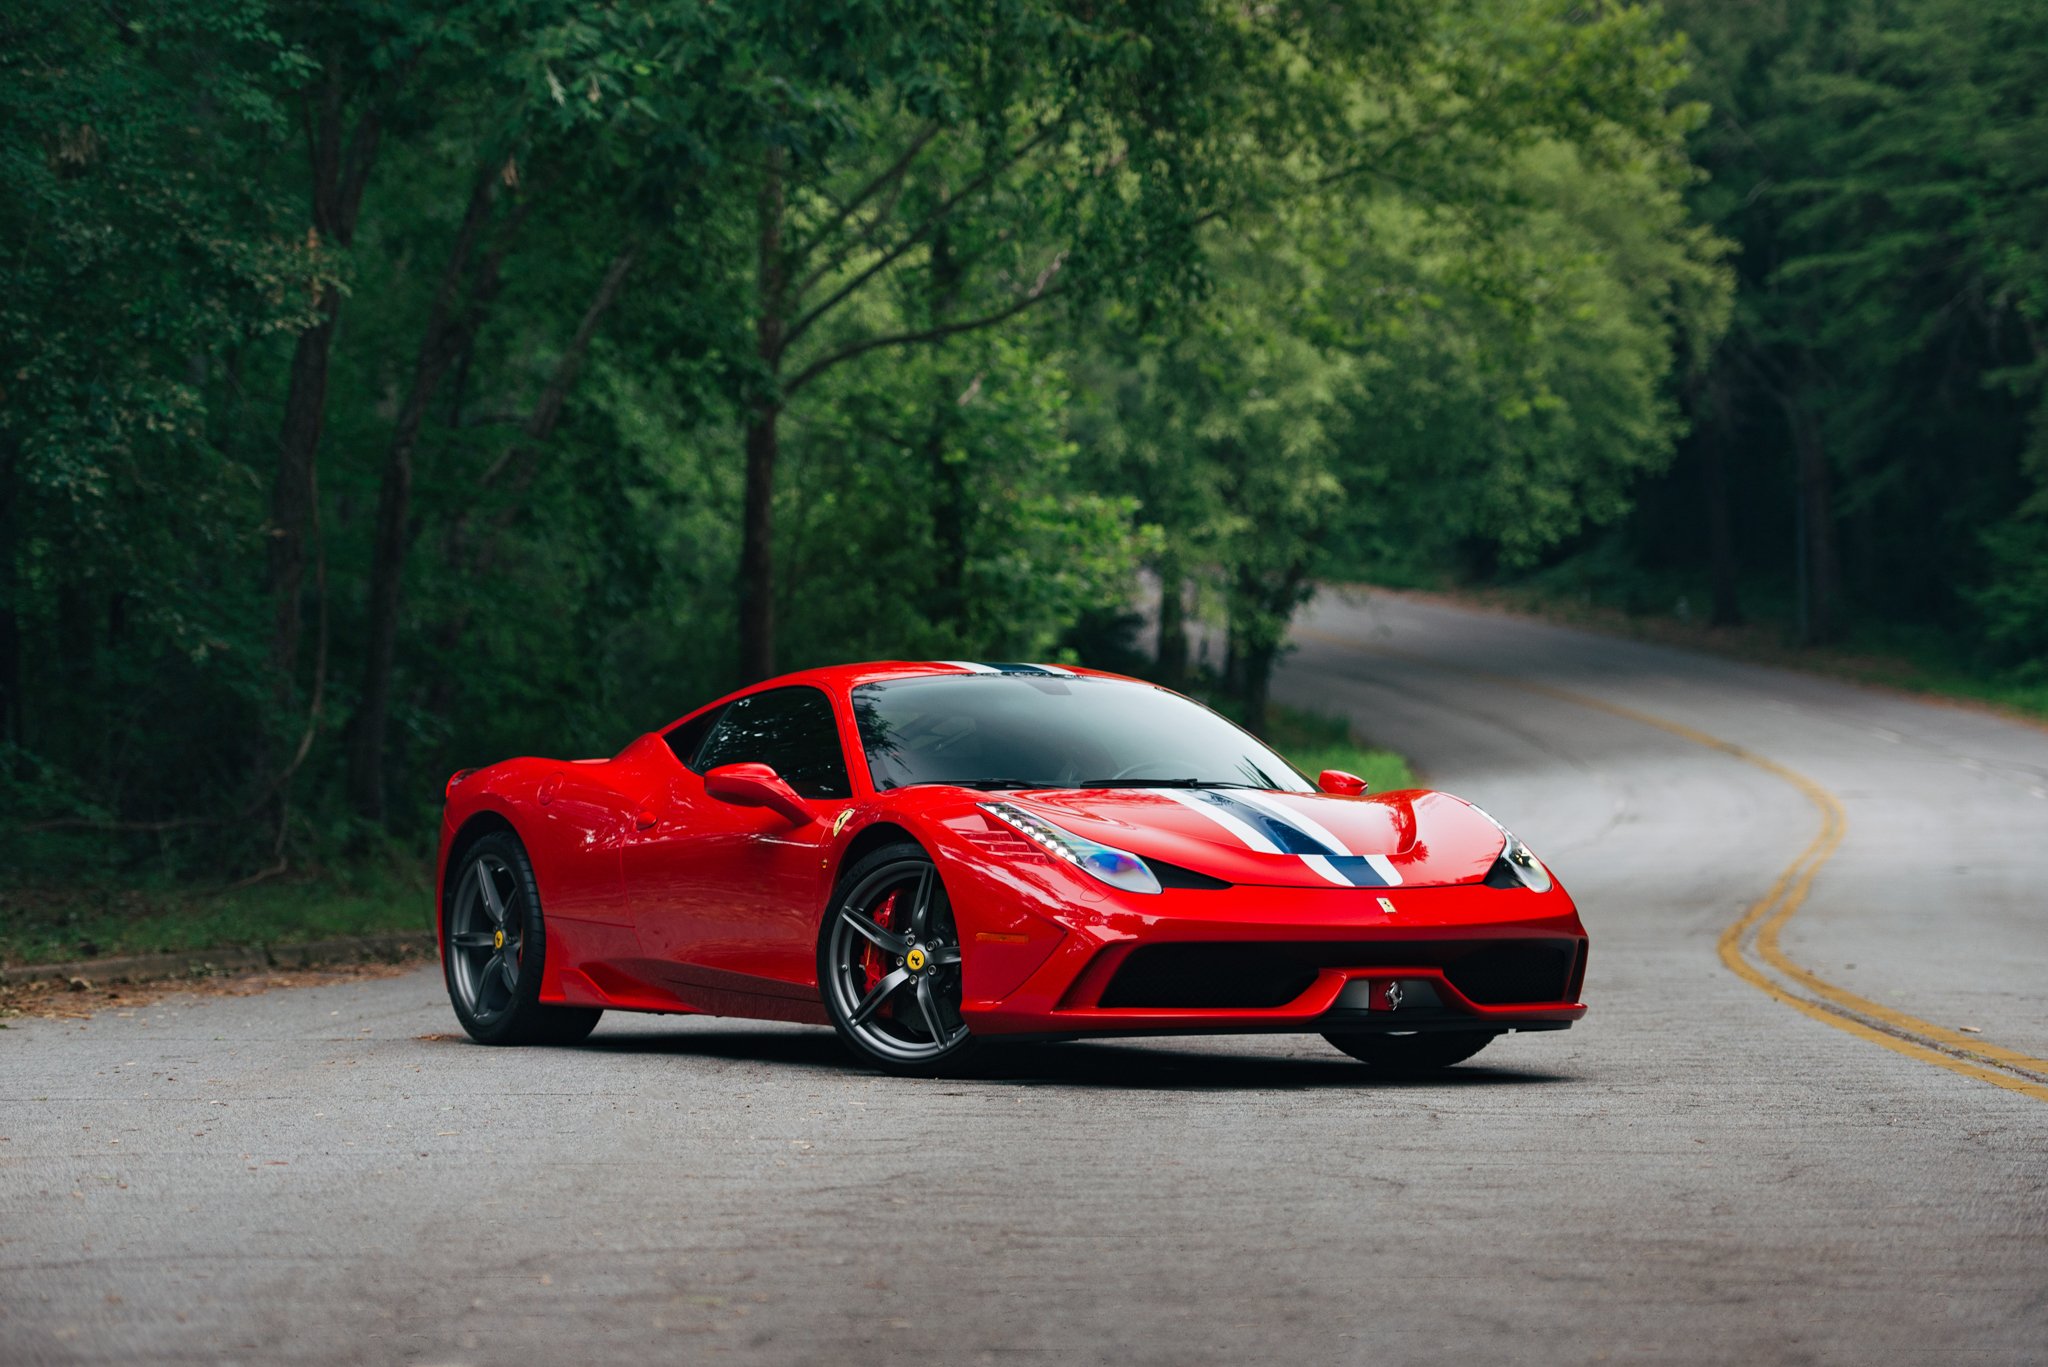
1316	830
969	665
1279	811
1327	869
1256	839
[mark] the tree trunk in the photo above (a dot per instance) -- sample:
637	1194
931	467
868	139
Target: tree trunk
950	514
339	177
1817	530
294	490
446	337
13	713
1721	566
757	566
1173	623
13	707
757	527
1258	685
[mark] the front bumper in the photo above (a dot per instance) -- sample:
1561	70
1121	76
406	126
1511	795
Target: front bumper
1250	959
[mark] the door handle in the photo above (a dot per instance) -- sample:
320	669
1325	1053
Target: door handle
643	820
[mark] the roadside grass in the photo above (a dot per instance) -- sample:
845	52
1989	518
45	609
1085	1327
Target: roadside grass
106	917
1314	741
1911	660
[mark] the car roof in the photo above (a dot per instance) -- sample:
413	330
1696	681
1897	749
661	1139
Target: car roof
881	671
845	677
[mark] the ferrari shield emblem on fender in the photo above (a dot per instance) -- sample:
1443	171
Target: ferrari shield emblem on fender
839	822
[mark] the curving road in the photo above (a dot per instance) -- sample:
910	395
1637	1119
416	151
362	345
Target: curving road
1807	1120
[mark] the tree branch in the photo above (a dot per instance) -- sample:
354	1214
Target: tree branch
1038	293
895	171
547	410
864	237
894	254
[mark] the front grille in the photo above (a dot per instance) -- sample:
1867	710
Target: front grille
1253	976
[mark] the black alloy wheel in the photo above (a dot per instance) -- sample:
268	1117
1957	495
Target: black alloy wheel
493	945
889	965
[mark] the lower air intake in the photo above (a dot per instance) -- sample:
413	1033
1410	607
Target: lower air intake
1218	976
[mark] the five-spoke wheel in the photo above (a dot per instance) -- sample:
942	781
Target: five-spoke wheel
889	964
493	947
483	937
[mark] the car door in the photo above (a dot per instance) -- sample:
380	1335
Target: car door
734	892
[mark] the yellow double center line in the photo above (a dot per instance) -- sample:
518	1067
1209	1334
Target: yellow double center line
1767	917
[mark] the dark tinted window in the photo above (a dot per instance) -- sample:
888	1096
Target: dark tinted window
790	729
993	731
687	738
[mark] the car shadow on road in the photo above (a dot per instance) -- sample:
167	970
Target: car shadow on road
1110	1064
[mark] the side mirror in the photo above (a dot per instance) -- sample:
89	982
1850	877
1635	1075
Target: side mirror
756	785
1341	784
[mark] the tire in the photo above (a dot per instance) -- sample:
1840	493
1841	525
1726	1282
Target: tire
494	946
889	966
1413	1055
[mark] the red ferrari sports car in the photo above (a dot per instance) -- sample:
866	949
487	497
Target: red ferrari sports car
932	856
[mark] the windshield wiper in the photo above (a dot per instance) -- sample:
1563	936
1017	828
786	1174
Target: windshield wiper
1159	783
980	784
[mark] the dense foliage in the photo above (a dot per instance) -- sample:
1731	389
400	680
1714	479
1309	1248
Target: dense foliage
390	387
1868	457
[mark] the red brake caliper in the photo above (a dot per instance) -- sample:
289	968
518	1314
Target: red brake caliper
871	965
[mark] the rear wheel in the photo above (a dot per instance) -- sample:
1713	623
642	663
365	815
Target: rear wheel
889	965
1412	1055
493	945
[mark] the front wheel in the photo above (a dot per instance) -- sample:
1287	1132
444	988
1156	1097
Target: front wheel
1413	1055
889	965
493	944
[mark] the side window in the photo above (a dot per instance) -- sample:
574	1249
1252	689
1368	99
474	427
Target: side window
789	728
686	739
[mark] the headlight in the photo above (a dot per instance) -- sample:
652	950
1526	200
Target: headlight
1516	860
1118	868
1524	864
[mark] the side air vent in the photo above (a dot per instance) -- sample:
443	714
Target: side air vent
1174	876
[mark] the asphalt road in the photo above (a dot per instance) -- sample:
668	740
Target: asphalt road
1700	1172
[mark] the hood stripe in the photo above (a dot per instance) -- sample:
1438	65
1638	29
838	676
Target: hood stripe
1269	827
1252	837
1314	829
1322	865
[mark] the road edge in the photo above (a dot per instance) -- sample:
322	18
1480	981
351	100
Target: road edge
388	947
1479	601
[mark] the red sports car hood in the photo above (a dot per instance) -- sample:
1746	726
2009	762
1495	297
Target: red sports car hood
1405	839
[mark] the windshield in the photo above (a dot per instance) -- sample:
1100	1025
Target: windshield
990	731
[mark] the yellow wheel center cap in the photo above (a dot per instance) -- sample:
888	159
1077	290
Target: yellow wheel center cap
498	941
914	961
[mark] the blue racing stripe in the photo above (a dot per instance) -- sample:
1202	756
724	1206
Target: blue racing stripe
1290	838
1359	870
